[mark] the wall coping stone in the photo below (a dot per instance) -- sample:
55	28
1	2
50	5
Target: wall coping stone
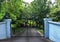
52	22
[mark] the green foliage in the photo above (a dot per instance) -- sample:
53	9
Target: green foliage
18	12
11	6
55	11
39	10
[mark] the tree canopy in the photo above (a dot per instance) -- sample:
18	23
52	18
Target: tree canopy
35	11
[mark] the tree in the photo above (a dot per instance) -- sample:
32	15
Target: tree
39	9
55	11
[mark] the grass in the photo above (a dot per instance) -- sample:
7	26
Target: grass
41	31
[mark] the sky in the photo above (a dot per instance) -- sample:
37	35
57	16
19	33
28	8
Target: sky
29	1
52	1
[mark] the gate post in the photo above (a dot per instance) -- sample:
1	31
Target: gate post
8	27
46	27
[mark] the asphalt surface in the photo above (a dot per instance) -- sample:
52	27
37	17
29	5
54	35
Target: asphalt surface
30	35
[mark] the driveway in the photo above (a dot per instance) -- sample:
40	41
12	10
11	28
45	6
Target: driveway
30	35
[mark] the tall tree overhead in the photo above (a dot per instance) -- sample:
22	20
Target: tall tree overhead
12	7
55	11
39	9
